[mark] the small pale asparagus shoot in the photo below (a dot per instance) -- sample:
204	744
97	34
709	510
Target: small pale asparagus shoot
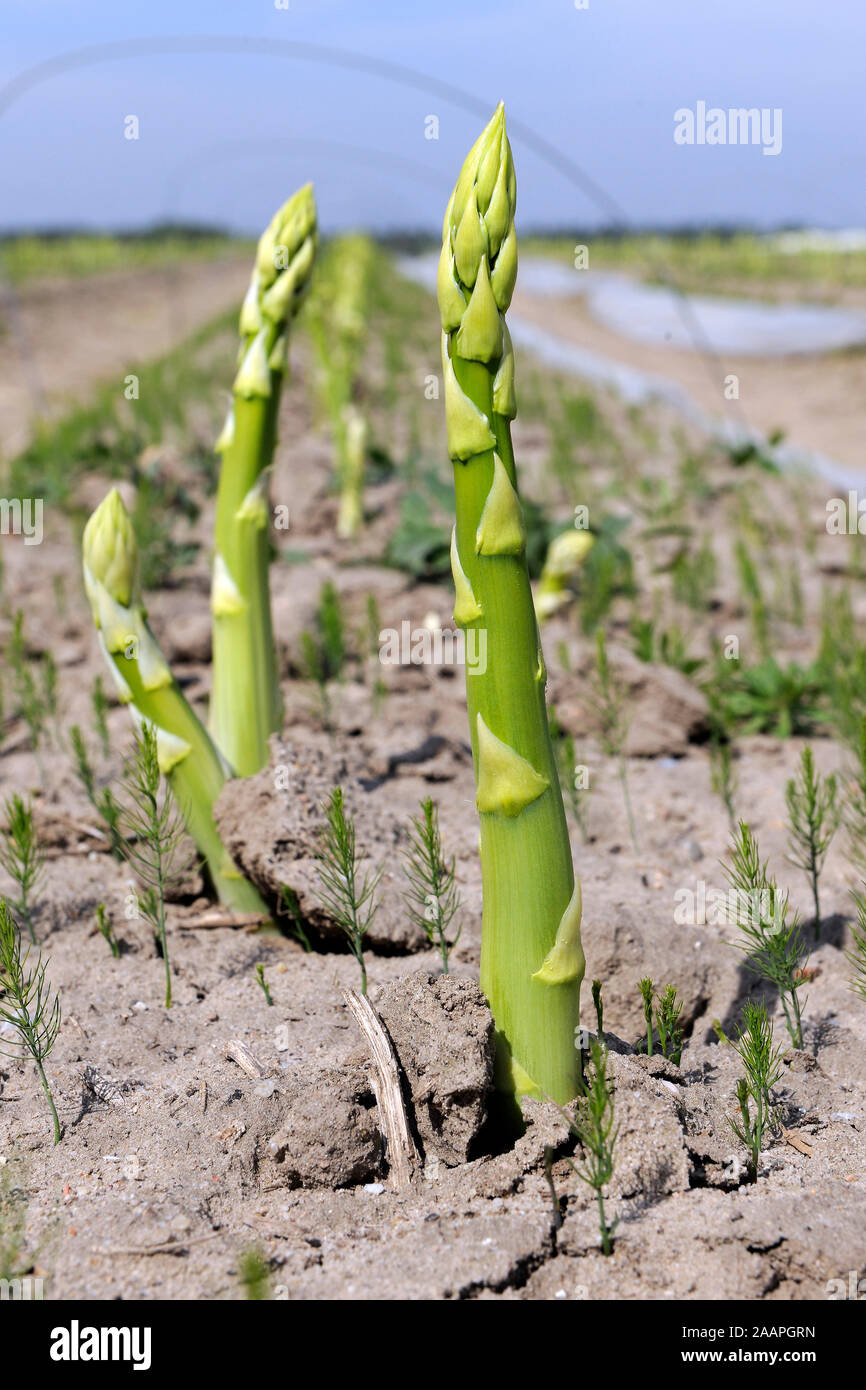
532	961
762	1063
246	705
155	833
771	940
105	926
22	857
813	818
433	899
26	1006
188	758
594	1126
348	894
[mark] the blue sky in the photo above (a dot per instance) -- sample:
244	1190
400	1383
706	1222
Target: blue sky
224	136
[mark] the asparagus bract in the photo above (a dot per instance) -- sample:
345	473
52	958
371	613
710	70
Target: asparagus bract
188	757
532	961
245	707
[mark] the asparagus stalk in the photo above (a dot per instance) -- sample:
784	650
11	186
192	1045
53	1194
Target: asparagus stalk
187	756
338	329
532	962
245	707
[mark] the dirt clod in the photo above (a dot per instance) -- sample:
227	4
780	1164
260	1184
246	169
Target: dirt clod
442	1029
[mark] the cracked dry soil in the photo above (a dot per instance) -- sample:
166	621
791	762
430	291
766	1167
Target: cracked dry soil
175	1161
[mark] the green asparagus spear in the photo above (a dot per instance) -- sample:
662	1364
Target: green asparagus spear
246	704
532	961
187	755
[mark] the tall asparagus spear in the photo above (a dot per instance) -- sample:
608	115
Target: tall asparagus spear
187	756
245	706
532	962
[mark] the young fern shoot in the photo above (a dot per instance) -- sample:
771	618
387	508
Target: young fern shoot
105	927
155	832
99	702
101	799
573	777
854	804
594	1126
22	857
723	776
433	898
668	1024
26	1005
771	942
762	1063
598	1005
856	956
646	988
263	984
813	818
347	894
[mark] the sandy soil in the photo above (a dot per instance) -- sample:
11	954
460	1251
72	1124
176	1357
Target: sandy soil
124	318
817	400
175	1161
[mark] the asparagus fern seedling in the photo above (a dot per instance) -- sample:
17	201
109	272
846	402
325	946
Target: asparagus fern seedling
668	1023
594	1126
154	839
99	701
105	927
290	907
26	1005
22	857
532	960
762	1063
263	984
246	706
101	799
771	941
598	1004
813	819
856	957
188	758
348	895
646	993
433	899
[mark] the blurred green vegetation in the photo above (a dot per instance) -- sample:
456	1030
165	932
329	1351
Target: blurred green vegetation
38	257
739	263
